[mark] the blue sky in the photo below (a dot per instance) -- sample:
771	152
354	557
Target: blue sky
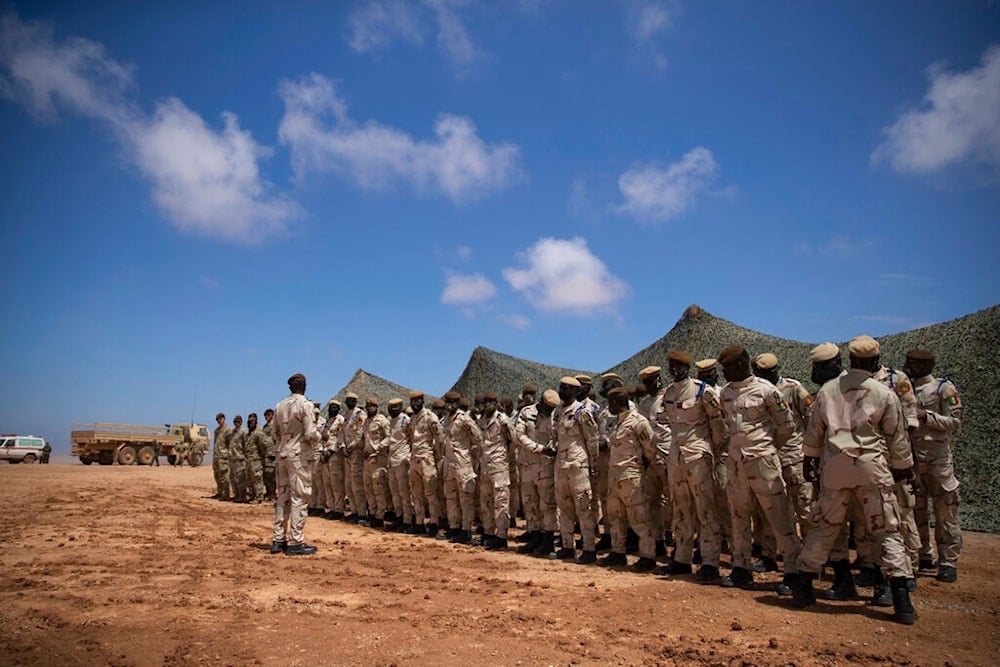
199	201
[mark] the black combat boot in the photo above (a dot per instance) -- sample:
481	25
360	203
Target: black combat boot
587	558
545	545
432	530
903	610
843	583
604	543
661	548
804	595
765	564
463	537
613	559
868	576
881	596
564	553
644	564
788	585
534	539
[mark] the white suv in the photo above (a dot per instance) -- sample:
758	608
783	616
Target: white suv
26	448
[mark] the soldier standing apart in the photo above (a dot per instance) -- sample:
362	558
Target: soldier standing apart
296	437
255	455
462	436
332	431
399	467
533	431
376	449
856	446
494	482
425	436
353	432
576	451
220	457
939	414
270	456
657	476
630	444
238	460
698	430
759	424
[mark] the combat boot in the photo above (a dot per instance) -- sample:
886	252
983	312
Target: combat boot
587	558
868	576
765	564
462	537
947	574
545	545
564	553
804	594
788	585
903	610
644	564
534	539
881	596
707	574
278	546
432	530
604	543
613	559
661	548
738	577
495	543
673	568
843	583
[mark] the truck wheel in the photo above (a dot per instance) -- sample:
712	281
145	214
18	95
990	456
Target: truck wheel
195	460
146	456
126	455
86	461
29	458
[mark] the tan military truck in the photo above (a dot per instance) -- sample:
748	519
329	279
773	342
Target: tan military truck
131	444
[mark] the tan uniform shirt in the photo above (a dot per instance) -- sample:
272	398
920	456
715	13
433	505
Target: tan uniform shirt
332	436
697	427
399	440
631	442
533	432
462	436
353	431
800	403
575	436
425	437
294	429
901	385
238	443
940	400
757	418
376	436
493	457
222	436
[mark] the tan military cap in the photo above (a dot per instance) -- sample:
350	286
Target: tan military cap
464	402
706	364
490	396
438	403
396	401
570	381
611	376
618	392
416	394
766	361
823	352
529	389
920	354
334	401
371	400
864	347
452	396
680	357
584	379
649	371
550	398
731	354
351	394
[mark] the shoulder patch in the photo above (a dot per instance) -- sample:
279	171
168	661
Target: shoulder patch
902	387
779	401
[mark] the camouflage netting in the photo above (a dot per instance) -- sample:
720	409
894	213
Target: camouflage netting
365	384
492	371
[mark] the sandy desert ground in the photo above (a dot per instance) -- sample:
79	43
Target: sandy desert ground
138	566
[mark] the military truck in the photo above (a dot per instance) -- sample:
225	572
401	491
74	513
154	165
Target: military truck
131	444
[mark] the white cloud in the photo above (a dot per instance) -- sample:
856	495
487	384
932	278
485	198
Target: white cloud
654	193
464	253
373	27
452	36
959	120
644	22
840	246
563	276
460	289
519	322
456	162
203	180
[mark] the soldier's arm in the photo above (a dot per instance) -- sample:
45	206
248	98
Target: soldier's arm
644	434
949	419
525	439
782	416
309	431
716	423
893	427
805	403
812	443
590	435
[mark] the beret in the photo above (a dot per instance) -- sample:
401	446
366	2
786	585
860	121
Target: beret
371	401
920	354
680	356
611	376
864	347
766	361
452	396
463	402
618	392
823	352
351	394
438	403
731	354
550	398
649	371
237	418
416	394
490	396
584	379
570	381
333	401
529	389
396	401
706	364
478	398
298	377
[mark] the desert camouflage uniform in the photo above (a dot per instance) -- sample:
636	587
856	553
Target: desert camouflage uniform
606	423
352	435
576	447
399	467
336	464
220	461
656	479
533	432
296	437
630	444
494	475
697	430
270	460
462	436
321	496
599	481
936	468
720	479
855	422
376	448
255	467
425	437
758	423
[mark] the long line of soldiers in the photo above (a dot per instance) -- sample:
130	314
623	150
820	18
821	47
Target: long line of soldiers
759	460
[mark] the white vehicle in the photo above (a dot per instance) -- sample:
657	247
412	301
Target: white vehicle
18	448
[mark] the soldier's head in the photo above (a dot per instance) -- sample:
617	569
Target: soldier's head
735	362
618	400
766	366
438	407
650	379
297	383
489	403
463	404
608	382
548	402
332	409
220	419
506	406
451	401
679	365
371	406
395	407
268	415
569	387
919	362
237	421
416	401
708	371
477	404
826	363
586	384
252	421
528	394
865	353
350	400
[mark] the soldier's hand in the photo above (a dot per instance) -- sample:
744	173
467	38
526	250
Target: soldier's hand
810	468
921	415
902	474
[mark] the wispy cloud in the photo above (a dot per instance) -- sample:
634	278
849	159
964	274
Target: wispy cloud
322	138
203	180
519	322
464	253
958	121
656	193
564	277
839	246
463	290
210	282
645	21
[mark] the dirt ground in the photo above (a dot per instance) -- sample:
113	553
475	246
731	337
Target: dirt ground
138	566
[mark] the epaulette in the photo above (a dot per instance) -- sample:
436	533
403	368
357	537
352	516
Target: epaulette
701	389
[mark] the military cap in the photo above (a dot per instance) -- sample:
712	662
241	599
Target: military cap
649	371
238	418
298	377
478	398
334	401
219	416
271	410
396	401
529	389
416	394
706	364
452	396
680	356
864	347
570	381
463	402
371	400
611	376
584	379
550	398
351	394
731	354
766	361
618	392
920	354
252	414
823	352
490	396
438	403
